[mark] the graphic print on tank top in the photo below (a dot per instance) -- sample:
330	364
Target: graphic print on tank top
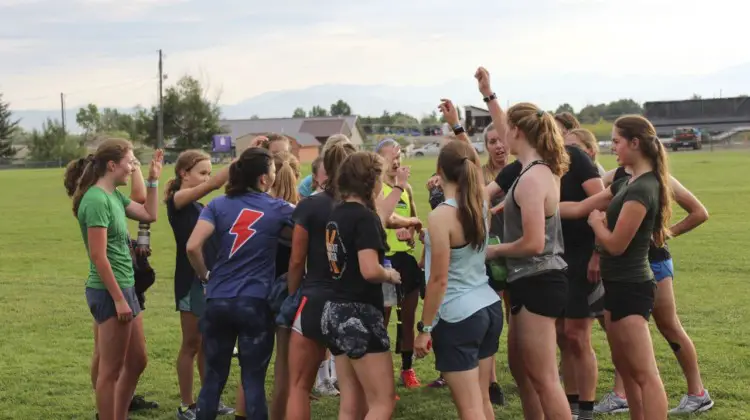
336	251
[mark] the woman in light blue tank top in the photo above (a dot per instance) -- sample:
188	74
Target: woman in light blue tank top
462	315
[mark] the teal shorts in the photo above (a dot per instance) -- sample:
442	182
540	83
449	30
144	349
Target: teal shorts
195	301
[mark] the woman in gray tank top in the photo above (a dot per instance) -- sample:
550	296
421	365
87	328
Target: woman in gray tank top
533	248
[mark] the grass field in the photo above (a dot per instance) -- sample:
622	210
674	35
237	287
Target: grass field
46	339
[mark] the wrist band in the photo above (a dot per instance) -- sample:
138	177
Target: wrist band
152	184
399	187
487	99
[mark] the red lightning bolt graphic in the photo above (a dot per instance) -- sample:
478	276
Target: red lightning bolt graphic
242	229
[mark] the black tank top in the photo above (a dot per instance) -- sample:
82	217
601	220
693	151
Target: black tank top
655	253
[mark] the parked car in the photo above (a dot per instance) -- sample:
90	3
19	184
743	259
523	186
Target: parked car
431	149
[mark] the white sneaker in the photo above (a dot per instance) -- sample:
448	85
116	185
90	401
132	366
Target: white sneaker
326	388
611	403
693	404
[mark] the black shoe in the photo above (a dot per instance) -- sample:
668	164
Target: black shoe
139	403
496	394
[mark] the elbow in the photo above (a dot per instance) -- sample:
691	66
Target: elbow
438	281
97	258
702	215
616	250
193	248
534	247
372	274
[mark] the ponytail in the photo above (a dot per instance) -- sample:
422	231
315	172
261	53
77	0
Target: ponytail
333	157
73	172
542	133
91	174
285	185
173	185
470	200
661	169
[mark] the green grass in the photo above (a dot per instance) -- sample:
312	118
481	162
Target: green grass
46	339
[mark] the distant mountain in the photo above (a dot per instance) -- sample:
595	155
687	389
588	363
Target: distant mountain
549	91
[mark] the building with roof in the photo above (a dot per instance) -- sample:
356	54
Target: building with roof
715	116
307	134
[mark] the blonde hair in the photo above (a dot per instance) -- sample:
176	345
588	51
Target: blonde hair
588	139
542	134
287	173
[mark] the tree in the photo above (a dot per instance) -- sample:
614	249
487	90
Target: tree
190	119
341	108
51	143
8	128
89	119
299	112
318	111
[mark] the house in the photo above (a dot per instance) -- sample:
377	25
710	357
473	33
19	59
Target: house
307	134
476	119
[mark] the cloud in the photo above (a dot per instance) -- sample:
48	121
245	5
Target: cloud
244	49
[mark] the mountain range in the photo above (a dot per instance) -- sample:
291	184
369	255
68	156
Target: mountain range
577	89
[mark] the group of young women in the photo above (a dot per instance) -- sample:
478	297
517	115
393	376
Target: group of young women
262	267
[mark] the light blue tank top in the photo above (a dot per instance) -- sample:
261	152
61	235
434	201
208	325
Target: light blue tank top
468	288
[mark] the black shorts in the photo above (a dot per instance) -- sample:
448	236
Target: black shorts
308	320
354	329
623	299
585	299
544	294
412	277
459	346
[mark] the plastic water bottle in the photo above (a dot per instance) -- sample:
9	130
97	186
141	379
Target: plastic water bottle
143	243
389	290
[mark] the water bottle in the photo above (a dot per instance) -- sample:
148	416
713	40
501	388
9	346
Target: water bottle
143	243
389	290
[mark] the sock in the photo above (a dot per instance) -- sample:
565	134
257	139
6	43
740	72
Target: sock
406	359
585	410
573	401
323	373
332	368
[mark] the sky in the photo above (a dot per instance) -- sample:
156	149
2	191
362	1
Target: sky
105	51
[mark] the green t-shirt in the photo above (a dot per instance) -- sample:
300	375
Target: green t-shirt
99	208
632	266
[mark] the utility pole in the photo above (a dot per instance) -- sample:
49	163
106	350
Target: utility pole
160	115
62	111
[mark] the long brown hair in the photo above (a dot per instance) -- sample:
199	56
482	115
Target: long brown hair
334	154
542	134
458	163
73	172
185	162
632	127
110	150
357	177
287	174
245	173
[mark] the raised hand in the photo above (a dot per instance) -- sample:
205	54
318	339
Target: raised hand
450	113
259	141
154	170
483	81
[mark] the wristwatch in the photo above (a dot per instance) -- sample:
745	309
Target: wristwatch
423	328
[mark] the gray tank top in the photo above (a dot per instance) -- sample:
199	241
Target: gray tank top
551	256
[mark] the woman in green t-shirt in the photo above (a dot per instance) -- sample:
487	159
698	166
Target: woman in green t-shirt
638	209
102	212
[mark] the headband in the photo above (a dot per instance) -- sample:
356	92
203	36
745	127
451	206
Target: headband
385	142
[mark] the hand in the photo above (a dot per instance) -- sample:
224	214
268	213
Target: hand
394	277
154	170
483	81
124	313
498	208
594	273
404	234
597	217
450	113
143	251
415	223
421	235
433	182
259	141
402	176
422	344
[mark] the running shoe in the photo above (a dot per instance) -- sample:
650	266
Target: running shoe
326	388
611	403
690	404
186	413
438	383
139	402
409	379
224	410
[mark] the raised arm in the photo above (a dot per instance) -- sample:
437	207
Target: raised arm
386	205
499	119
147	213
186	196
696	212
137	185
